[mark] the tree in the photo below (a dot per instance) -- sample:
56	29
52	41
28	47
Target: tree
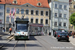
72	19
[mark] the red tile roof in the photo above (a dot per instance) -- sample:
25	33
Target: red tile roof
2	2
44	3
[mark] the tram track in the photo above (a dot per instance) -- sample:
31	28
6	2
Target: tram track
46	42
25	45
15	45
3	45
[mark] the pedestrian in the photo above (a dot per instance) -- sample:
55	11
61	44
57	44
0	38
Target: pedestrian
73	34
3	29
69	33
49	33
10	30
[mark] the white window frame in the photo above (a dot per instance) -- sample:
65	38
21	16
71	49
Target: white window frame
56	6
46	12
41	22
37	21
60	6
55	14
38	12
65	8
31	12
45	21
41	13
1	13
26	11
8	10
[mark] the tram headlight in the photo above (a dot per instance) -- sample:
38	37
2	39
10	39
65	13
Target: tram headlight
17	34
26	34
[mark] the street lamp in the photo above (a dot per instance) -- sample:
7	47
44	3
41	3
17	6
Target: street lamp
23	14
9	25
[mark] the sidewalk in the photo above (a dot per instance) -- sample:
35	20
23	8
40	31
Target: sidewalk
72	40
9	33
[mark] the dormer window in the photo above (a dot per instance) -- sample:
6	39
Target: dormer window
14	2
26	5
39	4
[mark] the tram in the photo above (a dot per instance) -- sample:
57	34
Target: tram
36	29
21	29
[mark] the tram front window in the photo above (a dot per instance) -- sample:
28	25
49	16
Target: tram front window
22	27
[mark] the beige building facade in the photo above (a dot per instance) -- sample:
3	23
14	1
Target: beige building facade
34	14
71	11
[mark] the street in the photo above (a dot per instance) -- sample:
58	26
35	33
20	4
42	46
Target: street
37	43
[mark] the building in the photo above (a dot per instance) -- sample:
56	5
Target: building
2	16
59	14
36	11
71	11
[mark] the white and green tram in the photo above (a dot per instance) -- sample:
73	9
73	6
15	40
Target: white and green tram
21	29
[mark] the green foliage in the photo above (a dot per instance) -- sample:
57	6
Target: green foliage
72	19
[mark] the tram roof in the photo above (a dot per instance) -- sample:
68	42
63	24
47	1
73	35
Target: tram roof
22	19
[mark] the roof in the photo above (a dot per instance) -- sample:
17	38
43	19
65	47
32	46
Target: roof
2	2
44	3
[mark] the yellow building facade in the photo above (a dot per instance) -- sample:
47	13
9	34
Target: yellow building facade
34	14
71	11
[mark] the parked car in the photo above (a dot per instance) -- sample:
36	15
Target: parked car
62	36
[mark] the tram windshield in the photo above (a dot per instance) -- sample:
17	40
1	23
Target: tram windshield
22	27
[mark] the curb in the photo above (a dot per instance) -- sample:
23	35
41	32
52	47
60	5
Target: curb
71	40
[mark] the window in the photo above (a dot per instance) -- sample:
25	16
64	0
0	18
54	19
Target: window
31	12
32	20
41	21
37	12
27	11
1	7
39	4
46	13
64	15
74	6
60	6
55	23
12	19
41	12
15	2
64	25
7	19
55	5
60	15
0	21
17	11
65	7
12	10
55	14
46	21
26	5
59	23
8	10
36	20
1	13
22	11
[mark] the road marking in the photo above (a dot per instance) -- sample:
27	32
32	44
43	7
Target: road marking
53	37
72	43
1	35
